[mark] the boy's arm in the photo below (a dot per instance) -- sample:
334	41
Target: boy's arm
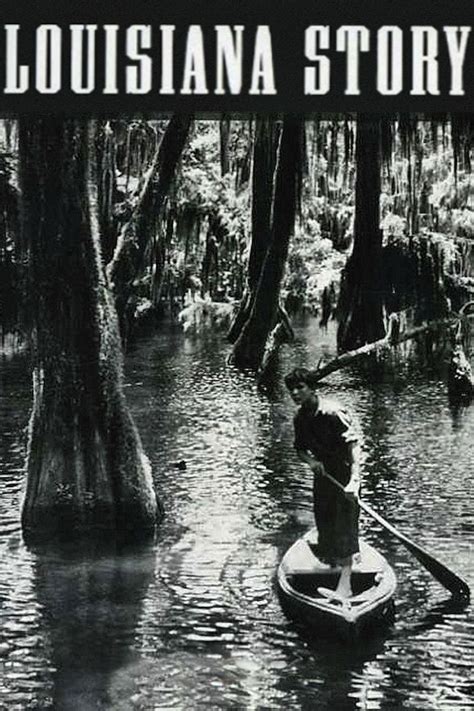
353	485
315	465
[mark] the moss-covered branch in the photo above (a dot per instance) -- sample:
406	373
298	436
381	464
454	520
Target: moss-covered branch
135	234
390	340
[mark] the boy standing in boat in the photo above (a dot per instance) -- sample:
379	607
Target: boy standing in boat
326	441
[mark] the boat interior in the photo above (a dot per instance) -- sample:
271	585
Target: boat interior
308	583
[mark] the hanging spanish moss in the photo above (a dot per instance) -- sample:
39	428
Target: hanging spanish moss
224	135
108	189
199	227
129	256
11	257
414	155
141	143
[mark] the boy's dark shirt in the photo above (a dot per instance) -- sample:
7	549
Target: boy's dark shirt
324	429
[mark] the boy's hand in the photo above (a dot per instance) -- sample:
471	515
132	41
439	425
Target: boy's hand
351	490
318	468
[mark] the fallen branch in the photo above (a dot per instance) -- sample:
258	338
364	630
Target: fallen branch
390	340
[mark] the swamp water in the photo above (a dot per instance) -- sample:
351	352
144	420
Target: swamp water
193	621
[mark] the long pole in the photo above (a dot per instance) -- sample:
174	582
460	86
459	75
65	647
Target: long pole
448	579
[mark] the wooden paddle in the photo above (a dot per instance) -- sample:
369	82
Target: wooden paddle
452	582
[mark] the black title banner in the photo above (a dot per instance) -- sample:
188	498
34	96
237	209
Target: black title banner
240	56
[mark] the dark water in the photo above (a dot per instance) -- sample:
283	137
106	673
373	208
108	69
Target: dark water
193	622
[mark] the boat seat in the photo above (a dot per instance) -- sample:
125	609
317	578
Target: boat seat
308	583
332	596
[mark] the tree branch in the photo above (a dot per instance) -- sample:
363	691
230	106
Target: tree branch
391	339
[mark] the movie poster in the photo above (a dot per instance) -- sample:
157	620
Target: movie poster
236	318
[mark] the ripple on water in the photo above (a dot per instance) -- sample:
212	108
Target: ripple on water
197	623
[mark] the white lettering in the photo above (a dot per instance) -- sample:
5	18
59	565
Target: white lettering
389	60
229	55
167	62
110	83
352	39
457	51
424	57
138	78
316	79
194	74
48	59
16	77
263	76
77	58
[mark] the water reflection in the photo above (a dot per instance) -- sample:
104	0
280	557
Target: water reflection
460	412
195	622
91	599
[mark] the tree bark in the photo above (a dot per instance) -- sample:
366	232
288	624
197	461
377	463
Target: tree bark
250	346
361	300
263	174
134	236
86	469
224	135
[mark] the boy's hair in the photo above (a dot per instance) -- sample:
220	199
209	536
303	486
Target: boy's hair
297	376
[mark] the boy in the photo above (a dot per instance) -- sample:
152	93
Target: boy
326	441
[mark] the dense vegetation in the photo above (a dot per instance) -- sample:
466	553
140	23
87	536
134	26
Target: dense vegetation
108	227
193	243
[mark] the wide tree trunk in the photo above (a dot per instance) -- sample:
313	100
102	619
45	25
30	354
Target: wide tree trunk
250	346
361	300
86	468
263	174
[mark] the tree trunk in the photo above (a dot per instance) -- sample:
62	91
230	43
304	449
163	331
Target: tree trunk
264	162
224	135
135	235
361	300
86	468
250	346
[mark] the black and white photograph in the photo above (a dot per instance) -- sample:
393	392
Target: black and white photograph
236	361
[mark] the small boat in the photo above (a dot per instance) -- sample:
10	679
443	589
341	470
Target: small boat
305	586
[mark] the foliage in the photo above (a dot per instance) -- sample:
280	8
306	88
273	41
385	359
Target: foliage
202	313
201	241
209	219
420	191
395	227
